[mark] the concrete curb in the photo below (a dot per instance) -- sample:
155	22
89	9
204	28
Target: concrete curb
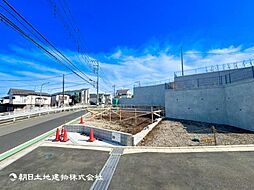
118	137
137	138
191	149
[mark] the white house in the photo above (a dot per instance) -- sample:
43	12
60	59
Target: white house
5	100
123	93
103	99
20	98
58	100
80	96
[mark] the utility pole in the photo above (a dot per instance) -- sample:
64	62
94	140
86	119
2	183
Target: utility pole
182	60
63	89
41	92
114	86
97	66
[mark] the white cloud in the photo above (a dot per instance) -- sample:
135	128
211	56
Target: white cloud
124	69
124	66
230	49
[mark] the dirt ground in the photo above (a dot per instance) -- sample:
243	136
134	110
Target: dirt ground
171	133
126	125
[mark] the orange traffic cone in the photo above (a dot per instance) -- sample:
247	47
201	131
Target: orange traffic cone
62	131
81	120
91	138
57	135
65	137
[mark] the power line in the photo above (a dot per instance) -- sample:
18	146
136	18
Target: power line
15	27
32	80
78	40
71	23
60	54
66	86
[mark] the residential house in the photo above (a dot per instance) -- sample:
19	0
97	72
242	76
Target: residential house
108	99
104	99
79	96
20	99
123	93
59	100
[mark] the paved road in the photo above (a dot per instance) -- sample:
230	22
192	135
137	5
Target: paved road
49	160
143	171
220	170
32	128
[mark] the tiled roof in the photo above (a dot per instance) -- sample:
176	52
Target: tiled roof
26	92
122	91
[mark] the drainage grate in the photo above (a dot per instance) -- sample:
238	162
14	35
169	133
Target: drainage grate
108	170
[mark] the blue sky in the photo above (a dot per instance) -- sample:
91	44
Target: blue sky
134	40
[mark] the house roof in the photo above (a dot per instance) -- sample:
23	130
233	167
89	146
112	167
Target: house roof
70	92
26	92
122	91
21	92
61	93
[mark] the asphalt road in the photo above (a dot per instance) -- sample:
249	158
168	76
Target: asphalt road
220	170
51	161
32	128
142	171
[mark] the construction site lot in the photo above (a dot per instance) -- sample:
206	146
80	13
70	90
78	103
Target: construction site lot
130	121
176	133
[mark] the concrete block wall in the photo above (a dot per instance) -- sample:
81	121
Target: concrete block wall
231	104
104	134
147	95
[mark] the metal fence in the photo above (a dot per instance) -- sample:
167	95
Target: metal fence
212	81
220	67
14	116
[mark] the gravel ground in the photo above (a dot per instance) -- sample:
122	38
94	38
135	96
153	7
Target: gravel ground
184	133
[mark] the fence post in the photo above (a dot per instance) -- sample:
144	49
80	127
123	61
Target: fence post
135	116
229	77
110	114
214	135
198	82
152	113
120	113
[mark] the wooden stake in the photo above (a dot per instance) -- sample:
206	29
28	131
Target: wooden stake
136	116
152	113
120	114
214	135
110	115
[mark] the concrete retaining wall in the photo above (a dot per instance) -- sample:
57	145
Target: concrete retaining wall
104	134
231	104
147	96
214	78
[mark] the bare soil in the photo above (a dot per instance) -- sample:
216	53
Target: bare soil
171	133
127	123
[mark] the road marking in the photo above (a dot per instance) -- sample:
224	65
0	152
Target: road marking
18	148
108	170
190	149
29	143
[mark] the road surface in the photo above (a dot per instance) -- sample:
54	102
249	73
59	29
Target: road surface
12	135
144	171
